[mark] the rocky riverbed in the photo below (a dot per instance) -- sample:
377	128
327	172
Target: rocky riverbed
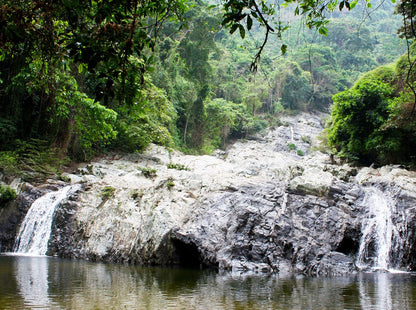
271	203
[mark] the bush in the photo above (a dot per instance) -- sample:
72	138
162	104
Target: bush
148	172
177	167
6	194
107	192
8	163
292	146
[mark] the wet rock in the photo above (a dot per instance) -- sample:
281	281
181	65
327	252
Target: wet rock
333	264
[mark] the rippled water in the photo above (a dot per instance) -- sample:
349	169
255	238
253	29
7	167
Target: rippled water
49	283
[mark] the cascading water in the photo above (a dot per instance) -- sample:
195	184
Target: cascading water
380	243
35	229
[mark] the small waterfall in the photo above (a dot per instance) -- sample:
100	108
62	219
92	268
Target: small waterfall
36	227
380	242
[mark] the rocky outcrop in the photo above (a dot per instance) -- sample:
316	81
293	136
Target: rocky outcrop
269	204
266	229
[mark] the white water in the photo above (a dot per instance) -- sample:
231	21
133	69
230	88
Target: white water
377	294
381	238
35	229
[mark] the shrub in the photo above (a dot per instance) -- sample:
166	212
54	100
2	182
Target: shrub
170	184
107	192
7	194
292	146
8	163
177	167
307	139
148	172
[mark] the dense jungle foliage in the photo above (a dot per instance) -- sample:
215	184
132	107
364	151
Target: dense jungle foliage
374	122
80	78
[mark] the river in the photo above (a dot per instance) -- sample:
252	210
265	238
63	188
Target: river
52	283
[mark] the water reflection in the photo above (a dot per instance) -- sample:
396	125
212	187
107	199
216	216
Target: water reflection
47	283
32	281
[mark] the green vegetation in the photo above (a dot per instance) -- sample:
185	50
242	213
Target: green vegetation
136	195
374	121
31	159
6	194
177	167
107	192
169	183
78	79
292	146
148	172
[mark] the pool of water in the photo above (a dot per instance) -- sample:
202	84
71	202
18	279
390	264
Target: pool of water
51	283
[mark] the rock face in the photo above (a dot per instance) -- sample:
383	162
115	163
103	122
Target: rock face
264	228
270	204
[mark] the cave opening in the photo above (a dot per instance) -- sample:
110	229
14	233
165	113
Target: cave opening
348	246
187	255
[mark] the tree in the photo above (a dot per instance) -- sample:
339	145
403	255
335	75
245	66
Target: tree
57	56
292	86
359	114
407	9
98	54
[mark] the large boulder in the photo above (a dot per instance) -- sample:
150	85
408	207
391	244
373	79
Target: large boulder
313	181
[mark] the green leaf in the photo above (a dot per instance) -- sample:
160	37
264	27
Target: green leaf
369	5
347	4
151	59
353	4
227	19
296	11
234	28
242	31
249	22
80	68
283	49
323	30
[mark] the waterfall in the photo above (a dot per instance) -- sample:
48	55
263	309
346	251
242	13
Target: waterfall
292	134
380	239
35	230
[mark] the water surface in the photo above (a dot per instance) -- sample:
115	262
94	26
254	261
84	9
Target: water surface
50	283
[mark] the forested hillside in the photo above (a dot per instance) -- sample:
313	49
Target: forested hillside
79	79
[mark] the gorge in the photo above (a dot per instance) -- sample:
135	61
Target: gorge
272	203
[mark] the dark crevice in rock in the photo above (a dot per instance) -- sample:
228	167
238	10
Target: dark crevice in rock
186	254
348	246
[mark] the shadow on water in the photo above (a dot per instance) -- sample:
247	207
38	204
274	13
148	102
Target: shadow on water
49	283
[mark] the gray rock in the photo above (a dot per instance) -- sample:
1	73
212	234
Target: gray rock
257	207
